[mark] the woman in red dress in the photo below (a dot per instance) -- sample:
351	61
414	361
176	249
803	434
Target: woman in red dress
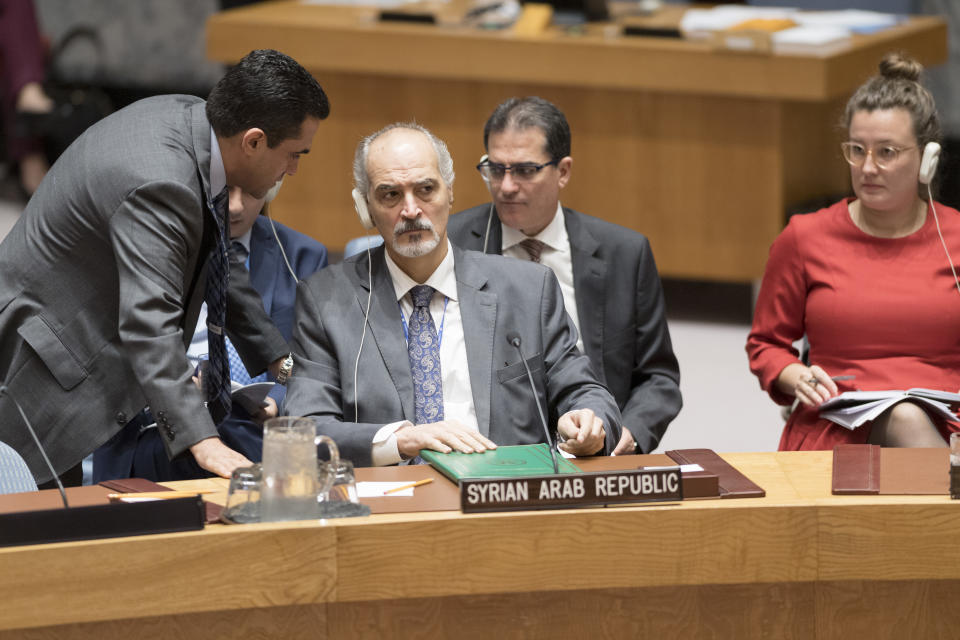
868	280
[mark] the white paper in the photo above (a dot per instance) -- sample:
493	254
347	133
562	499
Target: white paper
252	396
684	468
810	36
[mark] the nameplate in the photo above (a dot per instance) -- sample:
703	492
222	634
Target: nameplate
570	490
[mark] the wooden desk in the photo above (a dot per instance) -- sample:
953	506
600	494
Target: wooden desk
700	150
798	563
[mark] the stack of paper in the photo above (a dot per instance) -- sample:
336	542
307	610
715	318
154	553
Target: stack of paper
852	408
820	40
819	27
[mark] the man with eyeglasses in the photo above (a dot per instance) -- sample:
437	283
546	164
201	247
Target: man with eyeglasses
611	288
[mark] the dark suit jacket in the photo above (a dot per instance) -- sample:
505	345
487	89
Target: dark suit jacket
101	281
621	312
496	298
269	274
141	452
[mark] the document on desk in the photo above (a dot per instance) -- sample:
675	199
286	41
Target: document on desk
511	461
378	4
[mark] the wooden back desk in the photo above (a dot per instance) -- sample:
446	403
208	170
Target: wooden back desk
700	150
799	563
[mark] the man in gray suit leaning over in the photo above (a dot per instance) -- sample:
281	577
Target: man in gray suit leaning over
609	279
406	347
103	276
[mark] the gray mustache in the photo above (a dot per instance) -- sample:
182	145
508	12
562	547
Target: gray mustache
405	226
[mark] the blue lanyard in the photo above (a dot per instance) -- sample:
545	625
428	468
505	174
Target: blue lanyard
443	319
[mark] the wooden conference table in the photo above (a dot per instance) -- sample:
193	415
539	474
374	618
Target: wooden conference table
701	150
799	563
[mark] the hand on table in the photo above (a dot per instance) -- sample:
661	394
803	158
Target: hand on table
445	436
582	432
627	444
218	458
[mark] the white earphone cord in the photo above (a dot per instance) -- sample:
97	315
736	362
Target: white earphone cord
936	219
282	252
366	314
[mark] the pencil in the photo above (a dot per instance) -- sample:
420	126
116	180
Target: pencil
409	486
158	494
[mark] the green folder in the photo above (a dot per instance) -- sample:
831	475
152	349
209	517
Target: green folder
503	462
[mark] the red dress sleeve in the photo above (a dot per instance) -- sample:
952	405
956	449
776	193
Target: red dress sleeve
778	319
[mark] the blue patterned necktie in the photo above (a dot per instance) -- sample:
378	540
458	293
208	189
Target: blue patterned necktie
217	376
238	371
423	347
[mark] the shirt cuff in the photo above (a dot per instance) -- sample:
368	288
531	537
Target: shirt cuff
384	450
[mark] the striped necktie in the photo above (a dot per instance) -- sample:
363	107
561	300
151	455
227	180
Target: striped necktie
533	247
217	375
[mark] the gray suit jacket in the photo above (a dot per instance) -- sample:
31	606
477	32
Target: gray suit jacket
496	297
101	281
621	312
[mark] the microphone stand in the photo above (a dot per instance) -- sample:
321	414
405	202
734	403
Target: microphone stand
43	453
514	340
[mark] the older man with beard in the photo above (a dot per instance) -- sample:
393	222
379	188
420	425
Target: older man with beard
405	347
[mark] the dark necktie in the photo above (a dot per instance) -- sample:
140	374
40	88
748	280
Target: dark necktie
217	376
423	347
238	371
533	247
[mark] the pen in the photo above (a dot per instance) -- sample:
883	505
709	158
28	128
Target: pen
163	495
838	378
409	486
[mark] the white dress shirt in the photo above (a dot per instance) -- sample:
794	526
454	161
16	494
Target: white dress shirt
218	173
556	255
445	310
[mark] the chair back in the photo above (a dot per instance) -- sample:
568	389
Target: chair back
359	245
15	476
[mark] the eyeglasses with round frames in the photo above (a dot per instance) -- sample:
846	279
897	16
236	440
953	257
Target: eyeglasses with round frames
521	172
884	156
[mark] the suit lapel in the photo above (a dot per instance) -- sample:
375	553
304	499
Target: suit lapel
479	231
385	325
589	276
200	132
478	313
195	274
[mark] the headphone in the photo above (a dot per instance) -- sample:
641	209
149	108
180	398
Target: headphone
928	168
360	205
928	163
486	233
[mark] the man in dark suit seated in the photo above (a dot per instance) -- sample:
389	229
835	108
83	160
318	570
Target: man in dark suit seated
274	257
103	275
609	279
405	347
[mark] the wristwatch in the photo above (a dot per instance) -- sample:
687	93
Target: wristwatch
286	368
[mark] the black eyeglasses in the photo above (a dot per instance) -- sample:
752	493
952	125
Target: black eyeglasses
521	172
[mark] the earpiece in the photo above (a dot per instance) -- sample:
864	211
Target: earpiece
360	204
483	159
928	164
